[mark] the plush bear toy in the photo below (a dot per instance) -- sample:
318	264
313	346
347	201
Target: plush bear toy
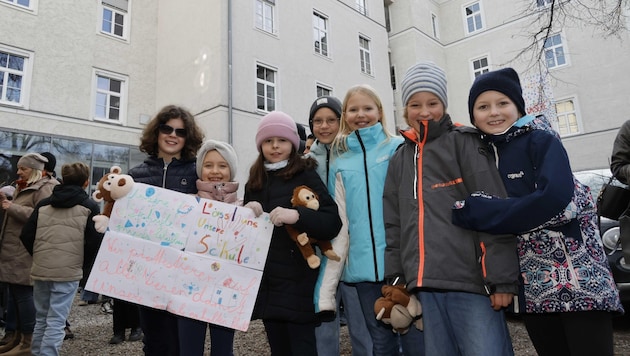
304	196
111	187
399	309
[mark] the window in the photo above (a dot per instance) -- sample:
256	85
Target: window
543	3
28	4
480	66
14	73
360	6
110	96
364	53
434	26
114	16
265	15
567	117
323	91
473	18
554	52
320	34
265	88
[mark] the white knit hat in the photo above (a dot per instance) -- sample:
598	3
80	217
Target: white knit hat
424	76
224	149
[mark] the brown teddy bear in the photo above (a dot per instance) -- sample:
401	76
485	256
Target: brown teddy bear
305	196
111	187
398	309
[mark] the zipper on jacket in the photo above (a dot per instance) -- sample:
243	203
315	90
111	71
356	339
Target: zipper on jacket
369	205
164	175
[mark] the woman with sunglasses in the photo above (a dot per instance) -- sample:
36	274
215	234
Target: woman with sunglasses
171	139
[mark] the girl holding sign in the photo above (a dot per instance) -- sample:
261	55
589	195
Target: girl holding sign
171	139
216	169
285	297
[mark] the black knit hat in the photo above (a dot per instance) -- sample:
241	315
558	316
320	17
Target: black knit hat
51	164
324	102
505	81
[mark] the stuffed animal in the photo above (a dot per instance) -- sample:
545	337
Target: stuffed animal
111	187
398	309
306	197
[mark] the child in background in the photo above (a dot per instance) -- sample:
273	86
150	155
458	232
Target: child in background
324	121
171	139
569	291
285	297
216	169
60	235
462	278
361	154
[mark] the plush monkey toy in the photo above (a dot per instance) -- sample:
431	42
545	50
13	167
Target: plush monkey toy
399	309
111	187
304	196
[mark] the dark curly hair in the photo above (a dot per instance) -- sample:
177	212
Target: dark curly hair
194	135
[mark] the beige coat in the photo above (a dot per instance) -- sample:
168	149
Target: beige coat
15	261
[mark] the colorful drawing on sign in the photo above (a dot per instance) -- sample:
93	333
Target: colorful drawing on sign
230	233
161	277
193	257
154	214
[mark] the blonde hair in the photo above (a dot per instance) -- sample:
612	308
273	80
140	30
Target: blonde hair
340	145
36	175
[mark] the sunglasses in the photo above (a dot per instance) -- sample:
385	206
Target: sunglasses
167	130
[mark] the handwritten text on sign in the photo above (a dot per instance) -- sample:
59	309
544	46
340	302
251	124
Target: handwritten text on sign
215	278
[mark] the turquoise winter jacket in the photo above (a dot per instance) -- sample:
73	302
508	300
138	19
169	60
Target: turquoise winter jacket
356	180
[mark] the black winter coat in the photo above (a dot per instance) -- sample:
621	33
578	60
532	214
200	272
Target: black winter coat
288	283
179	175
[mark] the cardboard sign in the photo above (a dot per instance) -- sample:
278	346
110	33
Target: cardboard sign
194	257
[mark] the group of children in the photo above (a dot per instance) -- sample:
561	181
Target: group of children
468	219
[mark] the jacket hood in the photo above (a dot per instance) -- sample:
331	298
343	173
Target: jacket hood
67	196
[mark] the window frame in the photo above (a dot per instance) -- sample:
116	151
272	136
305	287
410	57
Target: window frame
482	19
27	75
115	11
323	87
267	85
365	55
474	71
269	4
31	7
435	25
576	112
563	46
318	16
361	7
124	95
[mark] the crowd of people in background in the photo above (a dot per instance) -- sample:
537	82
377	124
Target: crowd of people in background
473	221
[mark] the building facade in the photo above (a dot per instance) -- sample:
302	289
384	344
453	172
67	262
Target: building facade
81	79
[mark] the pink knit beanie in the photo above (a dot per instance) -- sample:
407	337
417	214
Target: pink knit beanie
277	124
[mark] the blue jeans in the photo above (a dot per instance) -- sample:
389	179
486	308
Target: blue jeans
22	297
53	301
192	338
89	296
458	323
384	341
360	338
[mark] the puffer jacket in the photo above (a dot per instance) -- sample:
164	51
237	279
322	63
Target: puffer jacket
620	159
555	219
287	286
15	261
427	175
357	178
60	234
329	270
179	175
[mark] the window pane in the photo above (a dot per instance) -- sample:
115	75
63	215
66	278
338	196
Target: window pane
107	21
102	83
115	85
114	102
4	59
114	114
16	63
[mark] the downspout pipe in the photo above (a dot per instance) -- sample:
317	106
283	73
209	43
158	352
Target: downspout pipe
230	86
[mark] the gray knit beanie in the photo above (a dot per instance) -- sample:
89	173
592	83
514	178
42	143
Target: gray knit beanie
424	76
33	160
224	149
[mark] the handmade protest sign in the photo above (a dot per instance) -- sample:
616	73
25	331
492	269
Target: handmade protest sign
194	257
